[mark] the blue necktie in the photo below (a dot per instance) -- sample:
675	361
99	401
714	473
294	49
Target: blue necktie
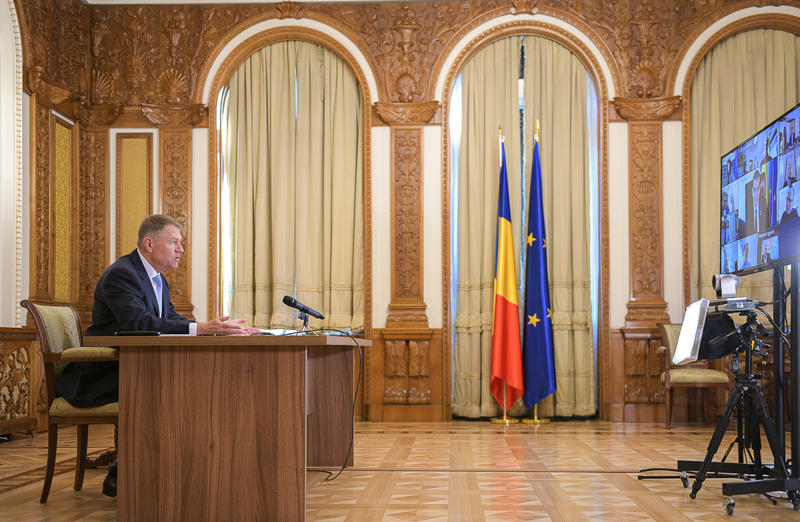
157	281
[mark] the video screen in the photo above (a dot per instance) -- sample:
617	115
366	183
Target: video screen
760	199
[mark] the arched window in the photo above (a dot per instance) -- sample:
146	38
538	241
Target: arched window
515	82
291	177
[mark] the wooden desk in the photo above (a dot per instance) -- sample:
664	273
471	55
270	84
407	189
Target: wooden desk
222	428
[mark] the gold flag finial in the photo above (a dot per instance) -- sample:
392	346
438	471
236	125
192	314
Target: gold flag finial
536	137
500	140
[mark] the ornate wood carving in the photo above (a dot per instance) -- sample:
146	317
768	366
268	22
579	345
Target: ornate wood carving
644	202
20	380
175	180
93	211
407	113
407	306
646	108
173	114
48	92
643	367
95	115
407	371
42	240
56	38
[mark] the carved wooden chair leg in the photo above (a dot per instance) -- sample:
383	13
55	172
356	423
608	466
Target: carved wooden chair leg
80	466
669	407
52	442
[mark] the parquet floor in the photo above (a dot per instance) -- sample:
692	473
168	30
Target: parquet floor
460	470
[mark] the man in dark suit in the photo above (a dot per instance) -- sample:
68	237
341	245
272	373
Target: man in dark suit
789	213
757	210
132	295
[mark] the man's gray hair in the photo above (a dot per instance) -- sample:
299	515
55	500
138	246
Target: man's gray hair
154	224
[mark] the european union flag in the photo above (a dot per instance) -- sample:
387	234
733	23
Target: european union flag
538	364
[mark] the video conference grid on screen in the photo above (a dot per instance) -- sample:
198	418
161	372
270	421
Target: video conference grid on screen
760	198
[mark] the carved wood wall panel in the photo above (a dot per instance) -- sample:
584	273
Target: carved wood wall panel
643	367
41	193
136	63
175	156
20	380
93	224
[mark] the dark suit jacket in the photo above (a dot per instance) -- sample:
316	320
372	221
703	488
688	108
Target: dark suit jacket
763	211
123	301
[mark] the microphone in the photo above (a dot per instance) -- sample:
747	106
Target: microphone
294	303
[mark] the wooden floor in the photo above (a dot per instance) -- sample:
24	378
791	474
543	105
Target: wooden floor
577	470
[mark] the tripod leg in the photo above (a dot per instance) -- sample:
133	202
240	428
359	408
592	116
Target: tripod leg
769	430
753	430
719	432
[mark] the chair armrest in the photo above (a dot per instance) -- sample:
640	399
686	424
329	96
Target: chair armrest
90	353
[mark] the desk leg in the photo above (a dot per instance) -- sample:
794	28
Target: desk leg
330	406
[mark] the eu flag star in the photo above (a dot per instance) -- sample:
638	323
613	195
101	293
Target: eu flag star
544	243
531	239
532	319
549	314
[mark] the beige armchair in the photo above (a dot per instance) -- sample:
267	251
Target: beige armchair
693	375
61	338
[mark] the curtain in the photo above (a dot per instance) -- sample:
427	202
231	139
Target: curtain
555	95
742	84
293	176
490	84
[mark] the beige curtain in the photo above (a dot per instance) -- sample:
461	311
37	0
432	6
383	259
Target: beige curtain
555	95
742	84
295	185
489	86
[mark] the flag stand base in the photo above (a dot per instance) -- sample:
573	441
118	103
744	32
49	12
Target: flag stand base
505	420
536	420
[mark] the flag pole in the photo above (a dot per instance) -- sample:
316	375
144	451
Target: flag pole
505	419
535	420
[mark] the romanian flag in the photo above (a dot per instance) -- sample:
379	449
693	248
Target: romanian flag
537	351
506	350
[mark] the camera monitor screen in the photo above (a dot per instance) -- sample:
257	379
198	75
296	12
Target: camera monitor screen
760	199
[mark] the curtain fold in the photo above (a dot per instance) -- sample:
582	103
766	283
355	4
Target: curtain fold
490	85
293	172
555	95
742	84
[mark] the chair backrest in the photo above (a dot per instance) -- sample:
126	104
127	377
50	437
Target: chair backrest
669	336
58	325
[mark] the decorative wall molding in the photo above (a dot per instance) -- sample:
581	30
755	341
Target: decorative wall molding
647	108
95	115
407	113
93	222
175	157
173	114
645	218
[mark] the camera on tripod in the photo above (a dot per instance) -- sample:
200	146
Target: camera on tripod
708	331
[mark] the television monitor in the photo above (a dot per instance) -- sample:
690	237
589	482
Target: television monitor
760	198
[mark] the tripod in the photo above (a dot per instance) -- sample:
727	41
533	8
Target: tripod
749	396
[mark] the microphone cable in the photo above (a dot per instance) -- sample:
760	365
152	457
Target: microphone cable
331	476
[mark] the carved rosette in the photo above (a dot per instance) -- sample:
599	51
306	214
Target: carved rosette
93	213
175	159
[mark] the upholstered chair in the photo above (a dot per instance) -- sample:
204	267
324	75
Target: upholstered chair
694	375
61	339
